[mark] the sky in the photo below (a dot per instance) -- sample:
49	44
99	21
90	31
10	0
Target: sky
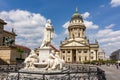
28	17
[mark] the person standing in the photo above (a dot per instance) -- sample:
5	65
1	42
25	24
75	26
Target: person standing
117	66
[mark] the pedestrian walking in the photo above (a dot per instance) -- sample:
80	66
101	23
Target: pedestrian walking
117	66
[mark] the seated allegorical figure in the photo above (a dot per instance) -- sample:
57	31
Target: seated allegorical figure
31	59
54	61
58	61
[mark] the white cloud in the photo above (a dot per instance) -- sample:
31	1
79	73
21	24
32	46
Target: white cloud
109	39
66	24
90	25
111	47
108	33
66	27
85	15
115	3
110	26
28	26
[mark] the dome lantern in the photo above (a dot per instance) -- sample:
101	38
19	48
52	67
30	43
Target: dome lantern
76	15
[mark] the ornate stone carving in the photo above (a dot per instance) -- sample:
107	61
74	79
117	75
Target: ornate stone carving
54	61
30	60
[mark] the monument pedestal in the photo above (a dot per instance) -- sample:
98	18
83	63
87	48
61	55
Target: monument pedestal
44	54
43	57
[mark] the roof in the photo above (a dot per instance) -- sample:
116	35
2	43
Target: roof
10	32
56	50
23	47
2	21
76	15
116	52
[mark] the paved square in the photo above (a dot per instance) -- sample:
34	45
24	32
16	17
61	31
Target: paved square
112	73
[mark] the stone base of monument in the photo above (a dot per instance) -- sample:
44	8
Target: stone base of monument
40	65
38	70
44	54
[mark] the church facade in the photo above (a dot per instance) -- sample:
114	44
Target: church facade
77	48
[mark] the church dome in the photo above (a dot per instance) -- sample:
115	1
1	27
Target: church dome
76	15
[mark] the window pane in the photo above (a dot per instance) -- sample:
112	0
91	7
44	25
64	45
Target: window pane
85	51
63	51
68	51
79	51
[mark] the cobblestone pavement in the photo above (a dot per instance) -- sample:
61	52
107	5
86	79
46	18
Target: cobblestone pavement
112	73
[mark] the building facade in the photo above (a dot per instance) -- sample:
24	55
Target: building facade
115	55
77	48
101	54
8	48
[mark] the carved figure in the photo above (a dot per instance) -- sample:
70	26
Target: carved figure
58	62
54	61
31	59
48	34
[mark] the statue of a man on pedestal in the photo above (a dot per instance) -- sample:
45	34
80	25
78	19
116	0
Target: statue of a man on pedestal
48	34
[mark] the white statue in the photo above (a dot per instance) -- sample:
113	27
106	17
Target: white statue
54	61
31	59
48	34
58	61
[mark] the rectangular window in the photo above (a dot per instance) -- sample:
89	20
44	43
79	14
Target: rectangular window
68	51
63	57
91	57
0	31
91	52
79	58
85	51
68	59
79	51
3	43
85	58
63	51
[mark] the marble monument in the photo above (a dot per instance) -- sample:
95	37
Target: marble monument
45	49
47	59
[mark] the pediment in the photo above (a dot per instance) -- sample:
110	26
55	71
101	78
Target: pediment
74	43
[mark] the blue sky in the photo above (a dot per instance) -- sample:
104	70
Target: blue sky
27	17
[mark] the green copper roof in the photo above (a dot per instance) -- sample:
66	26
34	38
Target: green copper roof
76	15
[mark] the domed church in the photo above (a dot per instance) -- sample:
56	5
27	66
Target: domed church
77	48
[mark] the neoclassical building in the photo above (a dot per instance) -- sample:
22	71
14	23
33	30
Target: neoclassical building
101	54
77	48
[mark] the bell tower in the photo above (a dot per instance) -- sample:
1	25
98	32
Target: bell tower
76	27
